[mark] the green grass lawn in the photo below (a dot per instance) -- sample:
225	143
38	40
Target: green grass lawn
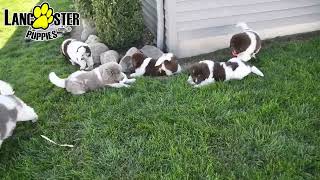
257	128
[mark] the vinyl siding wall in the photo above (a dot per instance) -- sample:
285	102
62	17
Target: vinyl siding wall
200	26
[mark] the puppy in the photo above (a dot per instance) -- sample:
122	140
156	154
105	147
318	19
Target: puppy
12	110
78	52
166	65
80	82
245	45
207	72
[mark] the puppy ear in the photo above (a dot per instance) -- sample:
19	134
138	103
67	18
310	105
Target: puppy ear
114	71
171	65
87	50
81	50
174	58
104	73
137	59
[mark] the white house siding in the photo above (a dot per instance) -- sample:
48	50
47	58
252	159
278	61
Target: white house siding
194	27
149	11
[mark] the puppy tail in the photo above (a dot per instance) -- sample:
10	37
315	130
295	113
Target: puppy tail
256	71
244	26
54	79
6	89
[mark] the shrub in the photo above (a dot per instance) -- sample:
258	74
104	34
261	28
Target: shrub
84	7
119	22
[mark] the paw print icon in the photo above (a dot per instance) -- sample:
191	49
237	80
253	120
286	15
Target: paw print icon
43	16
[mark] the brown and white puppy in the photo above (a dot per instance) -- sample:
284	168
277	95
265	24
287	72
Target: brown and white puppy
78	52
245	45
79	82
166	65
207	72
12	110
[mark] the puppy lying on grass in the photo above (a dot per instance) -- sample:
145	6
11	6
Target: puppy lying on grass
207	72
166	65
80	82
12	110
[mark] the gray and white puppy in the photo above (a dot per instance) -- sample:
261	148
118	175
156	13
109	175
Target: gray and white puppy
80	82
12	110
78	52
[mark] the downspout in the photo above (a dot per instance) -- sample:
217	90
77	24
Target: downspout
160	24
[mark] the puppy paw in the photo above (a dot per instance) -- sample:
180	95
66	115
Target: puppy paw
34	120
130	81
134	75
190	81
126	85
198	85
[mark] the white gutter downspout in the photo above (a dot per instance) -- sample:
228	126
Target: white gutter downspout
160	24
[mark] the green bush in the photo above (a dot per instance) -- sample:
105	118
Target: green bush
84	7
119	22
